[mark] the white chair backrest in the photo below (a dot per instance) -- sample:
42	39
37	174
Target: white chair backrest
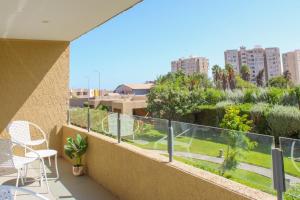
19	131
6	156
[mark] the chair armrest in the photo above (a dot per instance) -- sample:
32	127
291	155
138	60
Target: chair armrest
27	148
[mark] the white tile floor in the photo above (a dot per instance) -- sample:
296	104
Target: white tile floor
67	187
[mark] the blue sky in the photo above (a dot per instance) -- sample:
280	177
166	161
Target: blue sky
139	44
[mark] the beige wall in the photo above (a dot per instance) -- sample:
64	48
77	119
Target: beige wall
34	81
132	173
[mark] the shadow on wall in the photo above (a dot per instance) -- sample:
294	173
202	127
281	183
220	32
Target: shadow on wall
34	79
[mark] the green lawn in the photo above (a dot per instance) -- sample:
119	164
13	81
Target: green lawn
241	176
260	156
204	142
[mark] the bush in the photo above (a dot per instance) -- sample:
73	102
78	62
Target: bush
274	95
293	193
220	109
213	96
250	96
258	114
284	121
237	96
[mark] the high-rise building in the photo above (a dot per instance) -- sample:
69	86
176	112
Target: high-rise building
291	62
273	62
191	65
257	59
232	57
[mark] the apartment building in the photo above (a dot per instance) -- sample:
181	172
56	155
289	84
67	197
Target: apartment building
257	59
291	62
232	57
273	62
191	65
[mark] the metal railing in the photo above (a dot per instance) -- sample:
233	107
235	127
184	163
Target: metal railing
258	163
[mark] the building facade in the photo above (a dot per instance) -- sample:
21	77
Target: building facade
191	65
134	89
232	57
257	59
291	62
273	62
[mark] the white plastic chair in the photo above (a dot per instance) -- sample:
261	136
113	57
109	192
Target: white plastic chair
9	161
19	132
9	193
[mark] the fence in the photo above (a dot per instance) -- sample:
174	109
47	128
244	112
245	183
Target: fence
247	158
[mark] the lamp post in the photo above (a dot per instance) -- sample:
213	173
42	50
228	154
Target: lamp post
88	114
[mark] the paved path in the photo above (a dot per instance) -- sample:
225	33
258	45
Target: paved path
253	168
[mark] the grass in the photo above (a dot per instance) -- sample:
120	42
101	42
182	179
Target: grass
241	176
205	142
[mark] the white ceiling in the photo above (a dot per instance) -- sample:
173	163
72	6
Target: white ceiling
56	19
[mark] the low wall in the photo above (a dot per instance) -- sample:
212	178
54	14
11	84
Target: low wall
132	173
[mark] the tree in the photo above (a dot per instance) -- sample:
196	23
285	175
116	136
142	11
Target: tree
175	95
245	72
236	138
217	76
230	76
224	79
288	77
260	78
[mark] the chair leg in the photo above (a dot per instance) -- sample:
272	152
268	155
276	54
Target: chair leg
45	174
49	159
57	174
18	177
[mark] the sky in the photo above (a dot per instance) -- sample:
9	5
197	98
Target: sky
139	44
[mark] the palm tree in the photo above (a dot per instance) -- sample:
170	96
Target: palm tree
245	72
230	76
224	76
217	75
260	78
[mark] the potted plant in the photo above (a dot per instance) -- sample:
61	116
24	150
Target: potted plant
75	149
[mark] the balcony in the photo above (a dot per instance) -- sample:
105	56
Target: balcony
66	187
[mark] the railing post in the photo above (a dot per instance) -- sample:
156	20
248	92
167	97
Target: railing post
170	141
119	128
278	172
68	117
88	120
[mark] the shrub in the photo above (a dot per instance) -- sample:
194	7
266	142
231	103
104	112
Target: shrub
220	109
236	96
284	121
274	95
250	96
236	138
293	193
258	115
289	98
262	95
214	96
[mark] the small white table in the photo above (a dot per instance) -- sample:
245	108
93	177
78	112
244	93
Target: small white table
46	153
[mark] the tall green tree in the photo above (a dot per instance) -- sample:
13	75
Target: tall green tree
176	94
245	72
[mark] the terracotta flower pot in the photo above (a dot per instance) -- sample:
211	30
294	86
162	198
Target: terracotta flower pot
78	170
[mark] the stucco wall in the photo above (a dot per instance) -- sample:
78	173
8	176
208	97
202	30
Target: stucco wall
132	173
34	82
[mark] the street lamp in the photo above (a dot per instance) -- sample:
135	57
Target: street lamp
88	114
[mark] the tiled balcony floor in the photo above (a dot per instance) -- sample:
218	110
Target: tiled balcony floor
67	187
